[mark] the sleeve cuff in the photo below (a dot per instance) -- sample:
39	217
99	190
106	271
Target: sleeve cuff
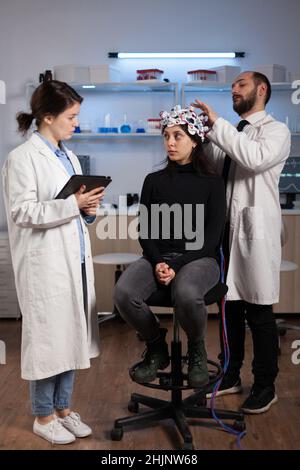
173	265
215	127
89	219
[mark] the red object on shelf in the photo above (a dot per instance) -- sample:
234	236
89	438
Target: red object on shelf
154	125
149	74
203	71
202	74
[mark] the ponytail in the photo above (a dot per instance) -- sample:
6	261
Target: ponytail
49	98
24	121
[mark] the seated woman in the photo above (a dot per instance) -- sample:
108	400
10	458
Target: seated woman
189	267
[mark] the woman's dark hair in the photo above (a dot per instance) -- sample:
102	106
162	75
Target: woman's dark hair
49	98
200	162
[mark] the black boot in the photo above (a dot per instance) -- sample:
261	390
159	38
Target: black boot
156	357
197	370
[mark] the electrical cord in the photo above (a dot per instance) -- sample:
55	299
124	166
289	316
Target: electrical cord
239	434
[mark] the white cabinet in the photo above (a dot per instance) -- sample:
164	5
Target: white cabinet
9	306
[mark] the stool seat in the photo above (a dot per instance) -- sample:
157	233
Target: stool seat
162	297
288	265
120	260
116	258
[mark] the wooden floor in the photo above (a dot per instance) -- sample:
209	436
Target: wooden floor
102	393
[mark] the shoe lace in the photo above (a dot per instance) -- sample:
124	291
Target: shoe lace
153	351
147	356
55	425
74	418
195	355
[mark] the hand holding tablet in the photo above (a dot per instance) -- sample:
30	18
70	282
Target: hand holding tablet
88	190
89	181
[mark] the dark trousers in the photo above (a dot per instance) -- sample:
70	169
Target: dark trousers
261	321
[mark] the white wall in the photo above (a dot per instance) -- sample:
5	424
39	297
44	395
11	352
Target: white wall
38	34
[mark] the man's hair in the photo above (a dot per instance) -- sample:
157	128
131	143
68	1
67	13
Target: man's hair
259	78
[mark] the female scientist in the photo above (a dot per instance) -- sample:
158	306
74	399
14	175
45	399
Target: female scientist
52	260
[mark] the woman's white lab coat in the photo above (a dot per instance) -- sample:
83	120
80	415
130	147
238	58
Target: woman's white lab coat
258	154
57	334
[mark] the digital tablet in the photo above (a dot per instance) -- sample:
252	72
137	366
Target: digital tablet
76	181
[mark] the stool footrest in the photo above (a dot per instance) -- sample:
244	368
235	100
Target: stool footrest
166	379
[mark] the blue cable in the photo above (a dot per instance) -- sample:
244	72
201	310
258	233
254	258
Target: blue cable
239	434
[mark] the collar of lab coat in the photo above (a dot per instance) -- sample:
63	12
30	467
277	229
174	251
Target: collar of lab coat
43	148
255	117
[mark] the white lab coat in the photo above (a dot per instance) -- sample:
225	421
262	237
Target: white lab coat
258	154
57	335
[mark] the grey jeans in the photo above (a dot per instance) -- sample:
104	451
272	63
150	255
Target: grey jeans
188	289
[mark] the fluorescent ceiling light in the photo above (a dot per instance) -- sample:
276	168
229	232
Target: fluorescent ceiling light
175	55
88	86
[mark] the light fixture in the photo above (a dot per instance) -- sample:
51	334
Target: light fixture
88	86
175	55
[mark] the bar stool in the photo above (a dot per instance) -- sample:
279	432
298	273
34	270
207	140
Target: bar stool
282	325
178	409
285	266
120	260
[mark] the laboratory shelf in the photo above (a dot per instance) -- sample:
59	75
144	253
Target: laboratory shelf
113	135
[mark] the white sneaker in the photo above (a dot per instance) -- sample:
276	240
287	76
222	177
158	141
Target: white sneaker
73	423
53	432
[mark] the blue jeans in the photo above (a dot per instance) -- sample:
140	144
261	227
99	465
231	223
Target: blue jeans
52	393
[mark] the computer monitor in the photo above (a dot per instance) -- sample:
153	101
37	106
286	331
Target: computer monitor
289	183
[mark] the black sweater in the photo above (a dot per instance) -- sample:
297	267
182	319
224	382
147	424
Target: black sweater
183	186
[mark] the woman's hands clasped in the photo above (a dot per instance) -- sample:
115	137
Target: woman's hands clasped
164	274
89	202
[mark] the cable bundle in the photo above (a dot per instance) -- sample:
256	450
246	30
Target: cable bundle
239	434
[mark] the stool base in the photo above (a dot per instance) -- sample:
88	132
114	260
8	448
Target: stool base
114	315
178	409
191	407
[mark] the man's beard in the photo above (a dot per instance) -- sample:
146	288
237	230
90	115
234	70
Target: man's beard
245	104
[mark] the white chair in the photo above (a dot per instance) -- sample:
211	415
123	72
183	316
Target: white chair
120	260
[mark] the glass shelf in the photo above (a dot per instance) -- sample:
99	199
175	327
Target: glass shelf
205	86
113	135
131	135
142	86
